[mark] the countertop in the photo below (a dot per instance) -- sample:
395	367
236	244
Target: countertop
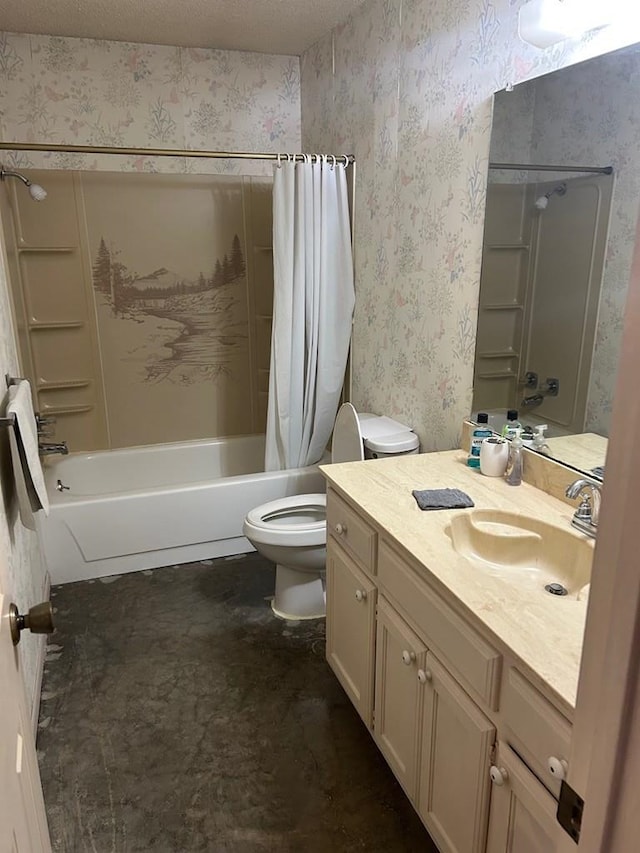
544	632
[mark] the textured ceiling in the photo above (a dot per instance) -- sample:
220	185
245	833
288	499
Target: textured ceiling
266	26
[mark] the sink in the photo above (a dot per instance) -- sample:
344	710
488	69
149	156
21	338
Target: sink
524	550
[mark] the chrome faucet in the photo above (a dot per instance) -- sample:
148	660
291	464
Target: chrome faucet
532	400
587	515
46	448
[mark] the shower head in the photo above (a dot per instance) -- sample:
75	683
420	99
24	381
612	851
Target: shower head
543	201
36	192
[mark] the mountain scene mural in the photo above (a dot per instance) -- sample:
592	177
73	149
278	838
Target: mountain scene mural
209	313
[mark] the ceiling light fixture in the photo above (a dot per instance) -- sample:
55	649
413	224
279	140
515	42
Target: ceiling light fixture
543	23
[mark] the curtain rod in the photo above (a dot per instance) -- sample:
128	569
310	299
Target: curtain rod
526	167
347	159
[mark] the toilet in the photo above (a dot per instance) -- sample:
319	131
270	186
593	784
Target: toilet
292	531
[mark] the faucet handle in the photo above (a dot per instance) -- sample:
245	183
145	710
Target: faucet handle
43	421
584	510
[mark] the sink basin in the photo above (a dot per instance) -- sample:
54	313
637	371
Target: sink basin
524	550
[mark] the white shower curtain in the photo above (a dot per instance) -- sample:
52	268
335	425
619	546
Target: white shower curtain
312	309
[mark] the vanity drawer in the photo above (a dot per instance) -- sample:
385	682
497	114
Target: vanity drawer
351	531
474	662
535	729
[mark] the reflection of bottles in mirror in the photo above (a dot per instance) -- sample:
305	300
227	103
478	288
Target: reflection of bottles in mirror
512	424
527	435
539	442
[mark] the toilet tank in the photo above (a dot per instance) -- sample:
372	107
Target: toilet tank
367	436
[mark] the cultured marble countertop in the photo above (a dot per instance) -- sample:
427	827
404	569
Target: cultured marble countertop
545	632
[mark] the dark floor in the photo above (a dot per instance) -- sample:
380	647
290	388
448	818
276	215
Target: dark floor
179	715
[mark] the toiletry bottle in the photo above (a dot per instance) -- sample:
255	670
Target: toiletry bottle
513	474
511	425
539	442
478	435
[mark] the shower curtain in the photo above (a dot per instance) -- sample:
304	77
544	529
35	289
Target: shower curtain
312	311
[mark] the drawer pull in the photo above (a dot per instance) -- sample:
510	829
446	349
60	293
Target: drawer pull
408	657
340	529
498	775
424	675
557	767
361	594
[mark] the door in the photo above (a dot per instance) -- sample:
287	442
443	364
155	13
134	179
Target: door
457	739
400	661
523	813
351	617
23	823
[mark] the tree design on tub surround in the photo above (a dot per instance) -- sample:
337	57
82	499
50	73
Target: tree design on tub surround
209	313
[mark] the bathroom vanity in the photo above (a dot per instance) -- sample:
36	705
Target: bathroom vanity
464	671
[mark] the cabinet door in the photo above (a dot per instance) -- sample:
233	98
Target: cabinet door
457	739
523	813
400	657
351	614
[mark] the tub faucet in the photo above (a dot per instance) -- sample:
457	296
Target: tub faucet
587	515
532	400
47	448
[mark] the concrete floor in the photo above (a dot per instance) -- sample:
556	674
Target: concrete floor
179	715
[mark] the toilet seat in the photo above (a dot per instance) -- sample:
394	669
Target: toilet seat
296	520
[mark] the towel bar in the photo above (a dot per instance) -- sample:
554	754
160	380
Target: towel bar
12	380
10	420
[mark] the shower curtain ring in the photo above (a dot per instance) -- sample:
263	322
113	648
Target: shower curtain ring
333	166
279	165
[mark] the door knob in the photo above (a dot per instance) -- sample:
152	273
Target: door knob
39	620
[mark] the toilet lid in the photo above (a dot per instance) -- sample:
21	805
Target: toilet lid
399	442
347	438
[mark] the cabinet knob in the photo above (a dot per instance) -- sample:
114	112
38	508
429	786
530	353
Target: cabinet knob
557	767
498	775
424	675
361	594
408	657
340	529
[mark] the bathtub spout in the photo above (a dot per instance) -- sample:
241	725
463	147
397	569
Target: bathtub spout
48	448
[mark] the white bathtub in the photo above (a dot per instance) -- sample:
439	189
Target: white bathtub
145	507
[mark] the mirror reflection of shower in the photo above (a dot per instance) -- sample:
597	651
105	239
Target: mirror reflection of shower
543	200
36	192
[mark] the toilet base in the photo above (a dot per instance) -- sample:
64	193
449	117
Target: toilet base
299	595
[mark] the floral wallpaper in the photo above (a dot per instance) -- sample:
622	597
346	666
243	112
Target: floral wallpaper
406	85
66	90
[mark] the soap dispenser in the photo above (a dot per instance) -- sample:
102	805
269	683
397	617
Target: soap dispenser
539	442
513	474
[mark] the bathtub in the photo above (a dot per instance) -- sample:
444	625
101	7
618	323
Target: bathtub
145	507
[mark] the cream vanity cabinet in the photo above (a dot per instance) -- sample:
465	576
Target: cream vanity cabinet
351	604
523	812
439	698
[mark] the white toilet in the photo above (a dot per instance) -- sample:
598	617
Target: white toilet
292	532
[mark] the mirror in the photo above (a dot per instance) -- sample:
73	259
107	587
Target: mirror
558	244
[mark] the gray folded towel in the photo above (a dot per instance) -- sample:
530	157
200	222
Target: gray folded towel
442	499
